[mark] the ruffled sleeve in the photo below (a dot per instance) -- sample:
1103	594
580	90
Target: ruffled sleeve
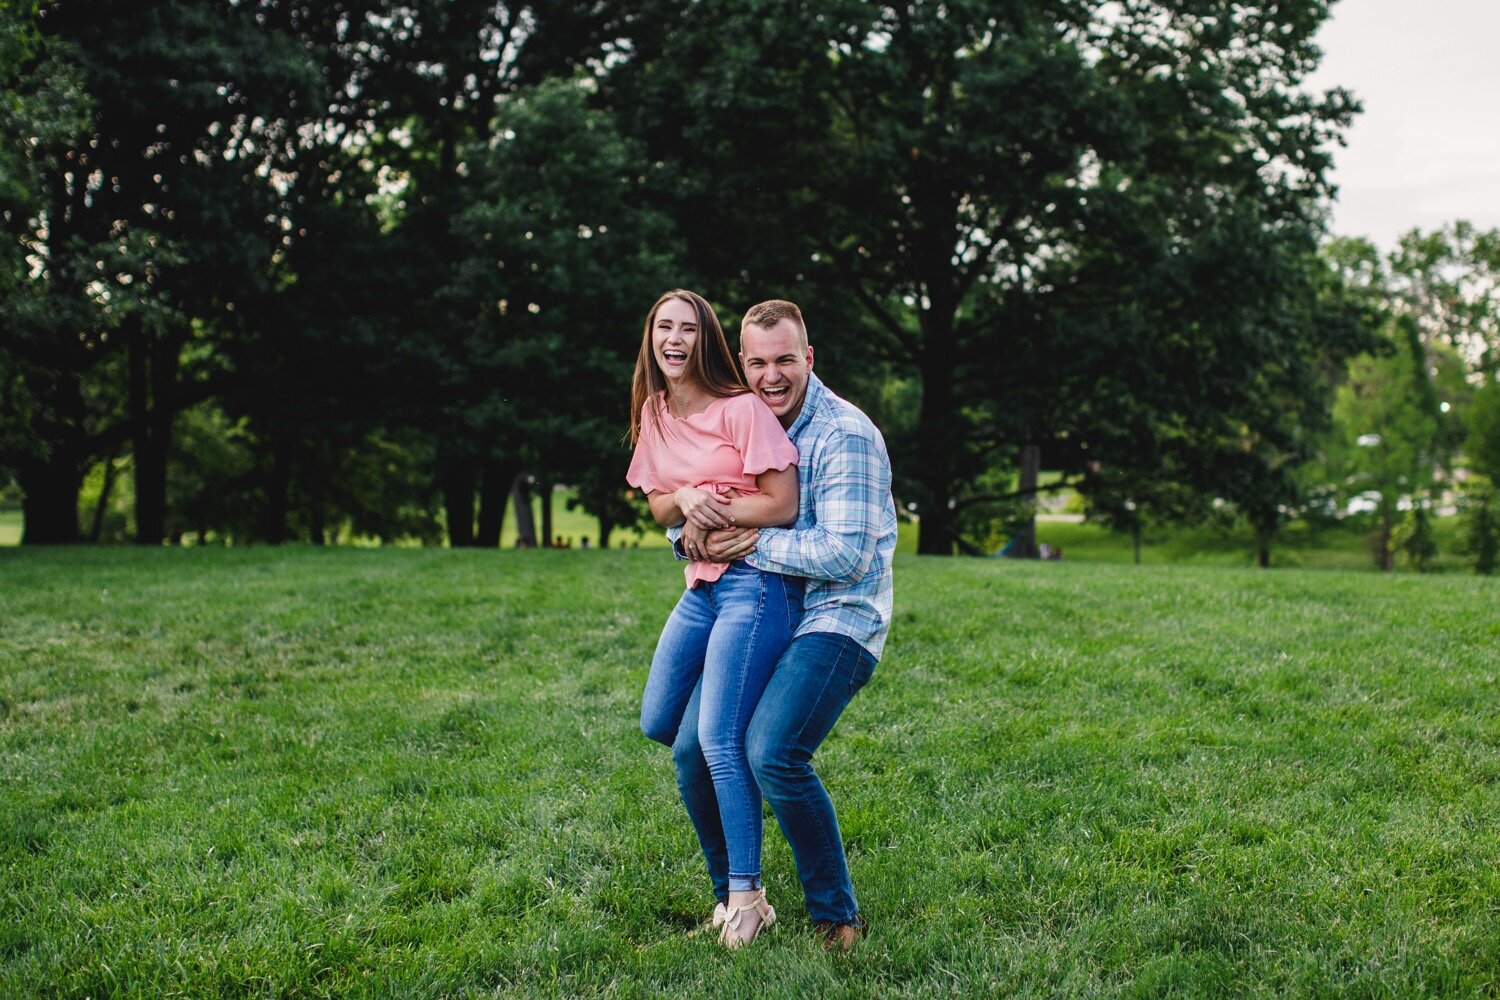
642	473
758	435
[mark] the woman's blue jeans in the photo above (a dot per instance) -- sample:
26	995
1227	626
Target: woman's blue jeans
809	689
727	635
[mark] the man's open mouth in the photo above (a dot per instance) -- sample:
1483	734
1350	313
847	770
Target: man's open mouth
775	394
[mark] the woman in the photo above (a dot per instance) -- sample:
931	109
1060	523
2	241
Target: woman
709	453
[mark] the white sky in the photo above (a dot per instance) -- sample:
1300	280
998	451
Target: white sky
1426	150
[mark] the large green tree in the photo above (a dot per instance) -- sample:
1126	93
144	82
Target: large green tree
1014	193
160	211
65	288
561	259
1387	437
445	69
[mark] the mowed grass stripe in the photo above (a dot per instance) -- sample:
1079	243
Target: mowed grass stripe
254	772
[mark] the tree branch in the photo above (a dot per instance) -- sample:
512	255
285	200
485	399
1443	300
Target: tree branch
1015	494
882	315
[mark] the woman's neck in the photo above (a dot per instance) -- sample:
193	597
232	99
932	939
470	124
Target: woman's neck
686	398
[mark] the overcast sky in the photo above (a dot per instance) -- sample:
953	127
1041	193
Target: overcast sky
1426	150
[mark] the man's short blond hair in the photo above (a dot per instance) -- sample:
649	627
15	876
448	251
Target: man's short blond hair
767	314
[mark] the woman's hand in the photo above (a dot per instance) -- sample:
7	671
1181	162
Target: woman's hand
703	508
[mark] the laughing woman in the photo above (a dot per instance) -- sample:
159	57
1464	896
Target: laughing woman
709	454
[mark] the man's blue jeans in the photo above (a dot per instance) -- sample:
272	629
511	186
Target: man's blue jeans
812	683
712	663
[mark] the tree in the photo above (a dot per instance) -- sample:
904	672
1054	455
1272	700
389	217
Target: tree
64	290
1387	434
1448	280
1483	446
998	184
1482	500
560	260
446	68
155	213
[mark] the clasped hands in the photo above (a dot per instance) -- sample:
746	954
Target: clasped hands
708	531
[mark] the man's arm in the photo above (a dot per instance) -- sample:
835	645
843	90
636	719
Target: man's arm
851	478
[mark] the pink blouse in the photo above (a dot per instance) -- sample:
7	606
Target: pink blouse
724	447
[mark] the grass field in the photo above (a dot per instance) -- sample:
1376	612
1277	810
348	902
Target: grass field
1336	547
353	773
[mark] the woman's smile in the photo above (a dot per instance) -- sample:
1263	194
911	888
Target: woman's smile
674	335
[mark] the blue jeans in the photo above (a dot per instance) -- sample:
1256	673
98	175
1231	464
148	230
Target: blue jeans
812	683
711	664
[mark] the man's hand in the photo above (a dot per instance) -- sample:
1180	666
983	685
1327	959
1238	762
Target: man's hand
729	544
693	542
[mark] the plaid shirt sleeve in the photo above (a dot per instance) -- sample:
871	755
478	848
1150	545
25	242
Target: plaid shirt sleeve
853	478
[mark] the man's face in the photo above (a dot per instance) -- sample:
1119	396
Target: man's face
777	362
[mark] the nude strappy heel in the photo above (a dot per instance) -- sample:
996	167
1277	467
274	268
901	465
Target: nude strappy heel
730	936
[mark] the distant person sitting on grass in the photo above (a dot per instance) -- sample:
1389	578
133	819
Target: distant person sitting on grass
710	453
842	543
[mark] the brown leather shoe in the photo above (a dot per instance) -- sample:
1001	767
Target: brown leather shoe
841	937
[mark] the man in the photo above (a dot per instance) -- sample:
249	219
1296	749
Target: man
842	545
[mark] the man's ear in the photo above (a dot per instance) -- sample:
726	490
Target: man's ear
809	357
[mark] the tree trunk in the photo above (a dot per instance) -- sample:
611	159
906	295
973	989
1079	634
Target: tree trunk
1387	529
1263	549
1031	466
317	510
102	507
937	429
457	484
277	490
153	368
49	503
525	520
545	489
606	527
494	493
1135	538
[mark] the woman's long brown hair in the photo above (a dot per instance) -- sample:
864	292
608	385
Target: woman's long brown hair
711	365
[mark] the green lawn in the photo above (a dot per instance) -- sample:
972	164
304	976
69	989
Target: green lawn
351	773
1341	546
1337	547
10	527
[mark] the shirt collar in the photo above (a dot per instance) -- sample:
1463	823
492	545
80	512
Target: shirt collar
811	403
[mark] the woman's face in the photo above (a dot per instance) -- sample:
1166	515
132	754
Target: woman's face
674	337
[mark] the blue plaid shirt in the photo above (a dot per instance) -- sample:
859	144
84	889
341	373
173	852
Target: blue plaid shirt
845	533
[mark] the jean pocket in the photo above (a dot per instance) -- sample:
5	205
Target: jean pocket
864	669
792	594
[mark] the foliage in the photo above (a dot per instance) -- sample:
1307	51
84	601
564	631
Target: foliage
1480	509
995	185
418	238
557	260
1387	435
1482	448
1449	281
